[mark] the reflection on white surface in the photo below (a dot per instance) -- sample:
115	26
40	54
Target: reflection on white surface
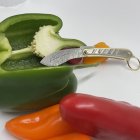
4	117
8	3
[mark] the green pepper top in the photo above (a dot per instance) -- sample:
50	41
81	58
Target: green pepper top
25	38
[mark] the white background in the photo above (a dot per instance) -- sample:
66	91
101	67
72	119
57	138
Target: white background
116	22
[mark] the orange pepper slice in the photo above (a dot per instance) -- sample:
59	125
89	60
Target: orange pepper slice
40	125
92	60
72	136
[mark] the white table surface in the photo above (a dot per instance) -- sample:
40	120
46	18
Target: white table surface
117	23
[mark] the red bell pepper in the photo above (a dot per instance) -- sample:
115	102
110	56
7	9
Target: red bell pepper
101	118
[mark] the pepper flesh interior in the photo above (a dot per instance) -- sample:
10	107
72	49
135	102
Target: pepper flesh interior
5	48
47	41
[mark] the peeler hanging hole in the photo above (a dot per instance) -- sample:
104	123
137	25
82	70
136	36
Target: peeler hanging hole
134	63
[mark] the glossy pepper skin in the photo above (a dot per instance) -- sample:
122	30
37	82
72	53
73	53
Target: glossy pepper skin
72	136
35	89
102	118
25	84
41	125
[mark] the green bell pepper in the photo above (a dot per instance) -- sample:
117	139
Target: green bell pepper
25	84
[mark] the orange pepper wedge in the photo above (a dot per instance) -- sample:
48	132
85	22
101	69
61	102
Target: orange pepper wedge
40	125
92	60
72	136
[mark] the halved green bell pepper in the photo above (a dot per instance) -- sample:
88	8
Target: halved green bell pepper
25	84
